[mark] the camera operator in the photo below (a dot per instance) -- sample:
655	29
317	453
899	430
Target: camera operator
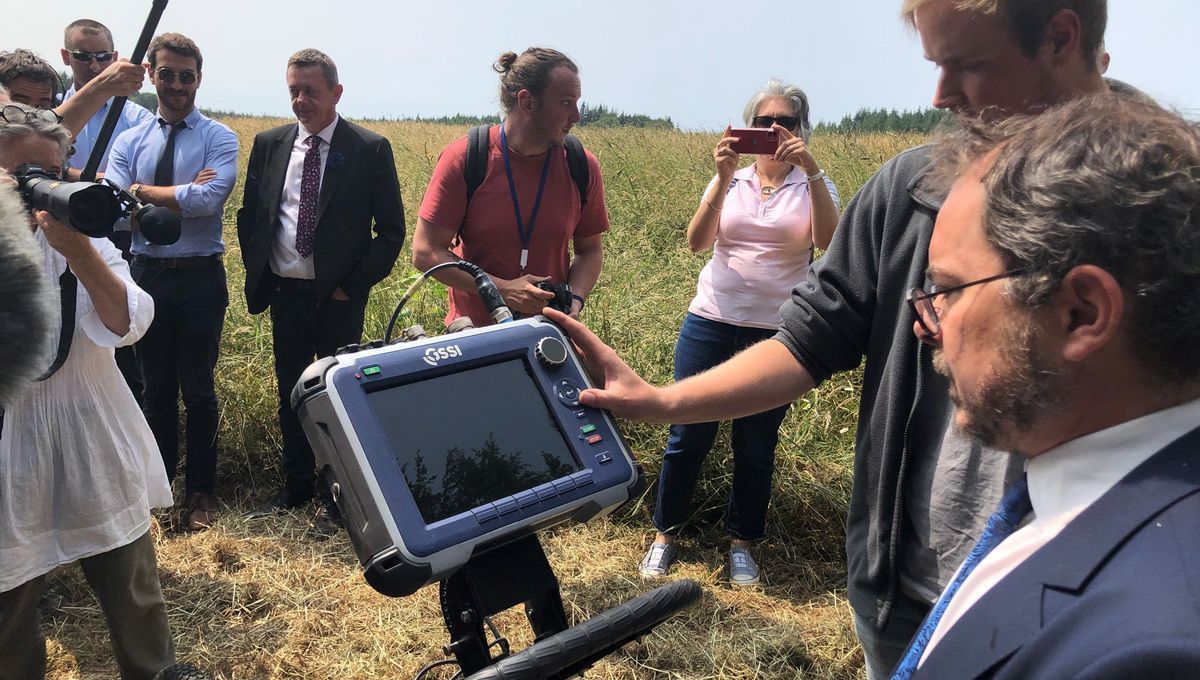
79	468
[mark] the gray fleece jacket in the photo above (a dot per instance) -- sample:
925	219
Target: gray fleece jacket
851	306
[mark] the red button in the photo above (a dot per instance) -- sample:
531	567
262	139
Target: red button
594	439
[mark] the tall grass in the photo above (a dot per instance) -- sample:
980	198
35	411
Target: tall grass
258	599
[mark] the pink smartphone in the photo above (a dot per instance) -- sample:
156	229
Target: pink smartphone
755	140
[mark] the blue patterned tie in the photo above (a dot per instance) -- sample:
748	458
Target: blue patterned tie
1005	520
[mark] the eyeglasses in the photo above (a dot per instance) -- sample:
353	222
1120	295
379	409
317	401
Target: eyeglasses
86	57
19	115
168	76
786	122
921	300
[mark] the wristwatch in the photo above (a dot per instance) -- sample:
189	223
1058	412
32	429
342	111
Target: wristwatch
134	189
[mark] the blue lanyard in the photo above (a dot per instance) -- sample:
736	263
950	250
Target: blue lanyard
525	234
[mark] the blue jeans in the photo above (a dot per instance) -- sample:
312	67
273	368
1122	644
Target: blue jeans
702	344
883	649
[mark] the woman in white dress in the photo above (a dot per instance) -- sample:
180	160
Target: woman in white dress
79	469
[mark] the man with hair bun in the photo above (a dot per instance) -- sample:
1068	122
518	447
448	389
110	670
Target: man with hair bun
527	214
321	222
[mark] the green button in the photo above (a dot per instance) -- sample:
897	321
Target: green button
371	370
588	429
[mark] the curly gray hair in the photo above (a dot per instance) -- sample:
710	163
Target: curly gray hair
1109	180
794	95
35	125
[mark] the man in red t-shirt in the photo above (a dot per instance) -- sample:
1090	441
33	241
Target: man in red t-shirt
523	241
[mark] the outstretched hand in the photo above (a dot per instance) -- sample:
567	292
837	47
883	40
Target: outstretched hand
621	390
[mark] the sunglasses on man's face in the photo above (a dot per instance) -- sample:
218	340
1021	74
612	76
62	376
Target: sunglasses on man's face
786	122
167	76
86	57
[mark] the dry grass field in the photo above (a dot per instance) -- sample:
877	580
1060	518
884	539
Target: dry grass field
259	598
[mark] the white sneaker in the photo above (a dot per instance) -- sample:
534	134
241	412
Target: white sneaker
743	570
657	561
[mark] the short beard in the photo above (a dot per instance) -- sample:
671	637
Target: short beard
1015	396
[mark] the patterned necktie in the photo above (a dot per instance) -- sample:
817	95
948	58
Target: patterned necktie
310	190
164	172
1013	508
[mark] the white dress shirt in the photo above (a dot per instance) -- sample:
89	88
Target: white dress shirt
79	468
1063	482
285	261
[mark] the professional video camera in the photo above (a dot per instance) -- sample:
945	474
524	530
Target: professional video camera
446	457
93	208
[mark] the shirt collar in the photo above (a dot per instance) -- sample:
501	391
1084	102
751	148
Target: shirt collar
326	134
748	174
1073	475
192	119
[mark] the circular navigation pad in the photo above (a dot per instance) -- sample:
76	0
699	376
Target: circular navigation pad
568	392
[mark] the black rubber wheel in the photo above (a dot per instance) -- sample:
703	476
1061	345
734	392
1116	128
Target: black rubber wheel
578	647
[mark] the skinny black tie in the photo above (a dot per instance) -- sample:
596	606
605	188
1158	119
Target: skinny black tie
164	172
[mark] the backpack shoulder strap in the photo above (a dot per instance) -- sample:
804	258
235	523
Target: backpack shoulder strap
477	158
577	163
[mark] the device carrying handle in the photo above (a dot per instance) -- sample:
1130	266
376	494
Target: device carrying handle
580	646
100	150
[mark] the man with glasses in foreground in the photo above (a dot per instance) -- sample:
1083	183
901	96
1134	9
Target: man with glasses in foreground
186	162
1080	356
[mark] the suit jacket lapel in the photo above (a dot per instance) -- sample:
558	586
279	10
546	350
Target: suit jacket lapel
341	148
276	169
1012	612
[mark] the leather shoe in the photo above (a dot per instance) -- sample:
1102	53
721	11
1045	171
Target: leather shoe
290	500
282	502
326	521
201	509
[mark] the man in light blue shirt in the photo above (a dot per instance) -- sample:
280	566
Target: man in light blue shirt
186	162
88	50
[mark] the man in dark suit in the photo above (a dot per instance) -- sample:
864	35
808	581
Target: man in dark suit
321	223
1064	306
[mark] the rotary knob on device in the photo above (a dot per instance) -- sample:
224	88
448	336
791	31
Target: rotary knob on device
551	352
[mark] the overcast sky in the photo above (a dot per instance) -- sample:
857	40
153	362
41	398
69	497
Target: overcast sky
696	61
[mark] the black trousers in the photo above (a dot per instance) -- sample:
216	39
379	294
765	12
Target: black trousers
178	354
304	329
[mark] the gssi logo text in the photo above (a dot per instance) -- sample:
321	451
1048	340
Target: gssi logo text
435	354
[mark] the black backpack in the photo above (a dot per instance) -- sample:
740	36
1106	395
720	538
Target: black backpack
477	161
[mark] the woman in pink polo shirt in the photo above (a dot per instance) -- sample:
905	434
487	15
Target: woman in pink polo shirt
762	222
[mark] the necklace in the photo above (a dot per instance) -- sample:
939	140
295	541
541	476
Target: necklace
769	186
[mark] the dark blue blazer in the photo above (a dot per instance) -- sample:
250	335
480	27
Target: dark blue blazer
1115	595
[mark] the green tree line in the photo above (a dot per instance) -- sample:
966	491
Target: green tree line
886	120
